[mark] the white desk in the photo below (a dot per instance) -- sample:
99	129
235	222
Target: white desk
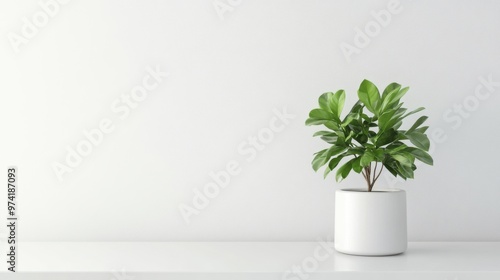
252	260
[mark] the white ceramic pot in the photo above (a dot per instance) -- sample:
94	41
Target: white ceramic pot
370	223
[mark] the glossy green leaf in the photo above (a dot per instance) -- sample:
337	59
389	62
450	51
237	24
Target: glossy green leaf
403	159
379	154
391	169
355	151
369	96
422	129
384	119
391	87
366	158
319	159
386	137
333	126
418	123
405	171
324	100
330	139
348	120
335	150
311	121
394	97
395	148
420	140
334	162
326	172
321	114
344	170
413	112
324	132
420	155
336	103
356	165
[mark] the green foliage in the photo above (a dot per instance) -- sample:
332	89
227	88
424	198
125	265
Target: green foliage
371	138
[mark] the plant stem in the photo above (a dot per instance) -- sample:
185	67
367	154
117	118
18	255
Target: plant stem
368	176
380	172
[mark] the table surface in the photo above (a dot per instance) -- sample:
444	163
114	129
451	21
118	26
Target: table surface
243	257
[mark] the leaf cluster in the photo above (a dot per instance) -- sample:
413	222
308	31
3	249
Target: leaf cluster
369	133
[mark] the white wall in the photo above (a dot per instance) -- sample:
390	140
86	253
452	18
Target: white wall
226	78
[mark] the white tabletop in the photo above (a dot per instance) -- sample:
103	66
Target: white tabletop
276	260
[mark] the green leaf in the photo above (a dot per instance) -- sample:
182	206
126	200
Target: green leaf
386	137
323	156
349	136
357	107
319	160
356	165
348	120
403	159
334	150
324	132
354	151
420	155
366	118
413	112
379	154
311	121
418	139
370	96
419	122
333	126
391	169
330	139
399	95
340	139
393	97
327	171
405	171
366	158
361	138
336	103
391	118
397	125
395	148
391	87
324	100
334	162
386	100
320	114
384	119
344	170
422	129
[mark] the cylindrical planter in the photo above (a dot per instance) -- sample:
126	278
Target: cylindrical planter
370	223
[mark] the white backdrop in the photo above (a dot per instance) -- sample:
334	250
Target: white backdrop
242	77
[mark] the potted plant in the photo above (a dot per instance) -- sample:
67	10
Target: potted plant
367	140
